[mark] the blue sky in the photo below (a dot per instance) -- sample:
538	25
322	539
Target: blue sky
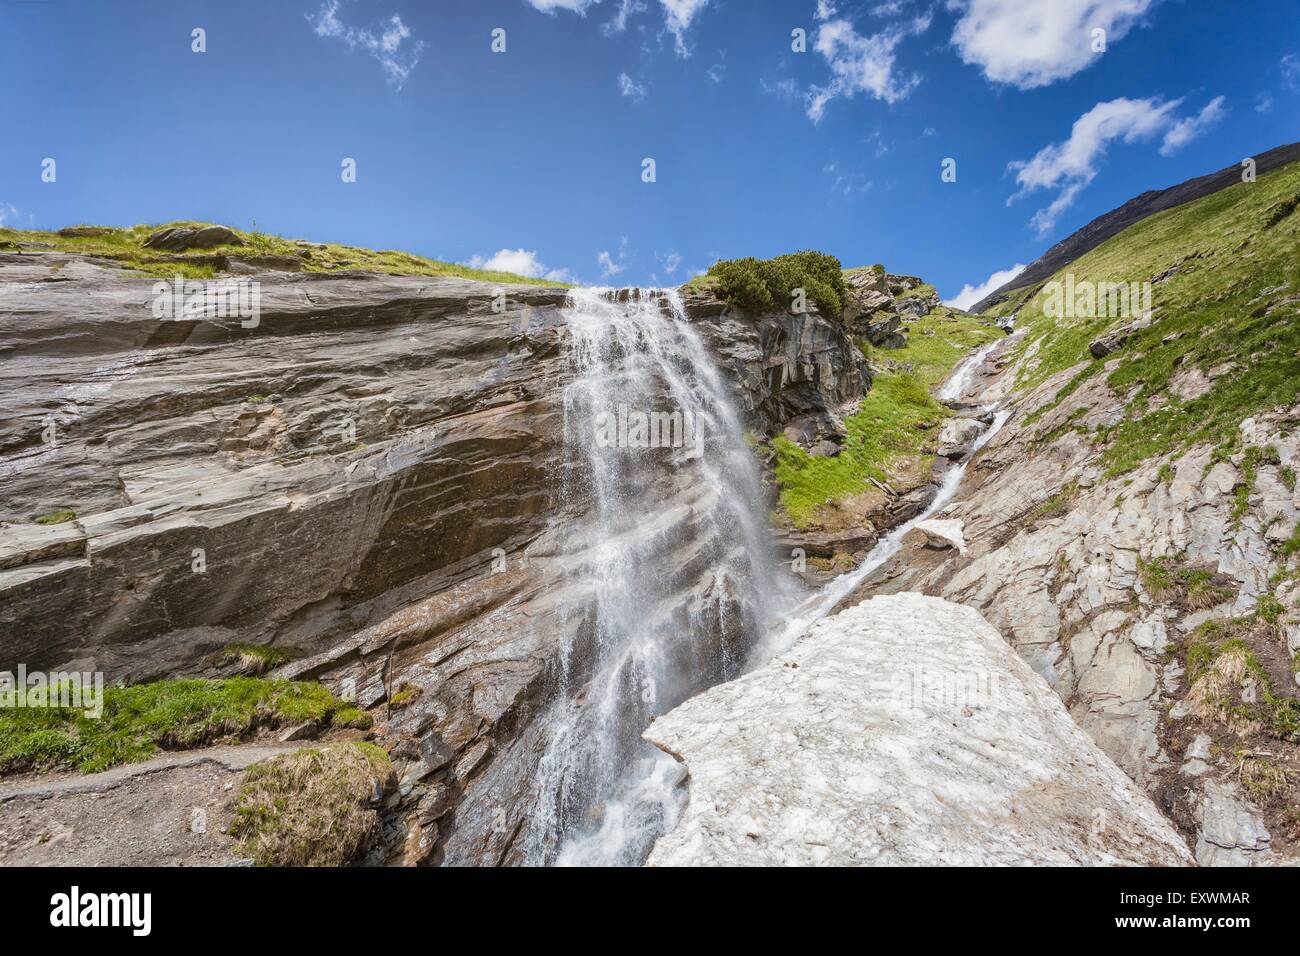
532	158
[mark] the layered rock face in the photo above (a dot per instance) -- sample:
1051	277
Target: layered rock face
371	475
902	731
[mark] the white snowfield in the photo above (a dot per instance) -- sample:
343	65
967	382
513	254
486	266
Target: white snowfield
902	731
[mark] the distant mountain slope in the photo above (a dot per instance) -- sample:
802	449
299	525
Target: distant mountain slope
1135	210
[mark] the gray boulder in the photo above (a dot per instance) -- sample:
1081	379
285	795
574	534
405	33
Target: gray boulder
179	238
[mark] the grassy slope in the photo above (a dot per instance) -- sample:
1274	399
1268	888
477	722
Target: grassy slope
936	342
140	720
1213	313
126	245
897	418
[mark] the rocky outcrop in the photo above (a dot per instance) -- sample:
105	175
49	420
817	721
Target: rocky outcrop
1116	339
800	371
180	238
903	731
364	474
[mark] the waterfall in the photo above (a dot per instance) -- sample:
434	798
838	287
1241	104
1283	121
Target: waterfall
676	554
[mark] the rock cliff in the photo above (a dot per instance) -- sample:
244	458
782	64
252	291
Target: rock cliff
365	478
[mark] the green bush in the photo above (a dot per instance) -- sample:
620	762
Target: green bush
767	285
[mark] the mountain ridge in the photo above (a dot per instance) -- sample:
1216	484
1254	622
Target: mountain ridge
1145	204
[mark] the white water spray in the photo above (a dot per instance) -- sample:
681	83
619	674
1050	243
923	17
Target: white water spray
677	559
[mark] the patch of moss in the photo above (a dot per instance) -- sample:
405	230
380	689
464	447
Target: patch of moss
404	695
352	717
57	517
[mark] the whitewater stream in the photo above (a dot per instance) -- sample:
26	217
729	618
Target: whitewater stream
686	591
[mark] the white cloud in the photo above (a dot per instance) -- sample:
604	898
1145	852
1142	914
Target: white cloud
970	294
1263	103
671	262
609	264
1291	71
717	72
7	212
520	262
861	64
626	9
574	6
630	88
1030	43
386	46
1190	127
1070	166
678	15
785	89
608	267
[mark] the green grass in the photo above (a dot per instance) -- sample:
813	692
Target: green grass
1168	578
938	341
1276	712
126	246
765	285
140	720
253	658
885	427
57	517
1245	238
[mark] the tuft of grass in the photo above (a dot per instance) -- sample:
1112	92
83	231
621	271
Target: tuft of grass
313	807
1287	474
1166	473
1056	505
887	425
253	659
1292	544
1230	686
140	720
766	285
1168	580
57	517
404	695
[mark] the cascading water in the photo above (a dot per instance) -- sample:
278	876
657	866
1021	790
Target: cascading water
676	553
